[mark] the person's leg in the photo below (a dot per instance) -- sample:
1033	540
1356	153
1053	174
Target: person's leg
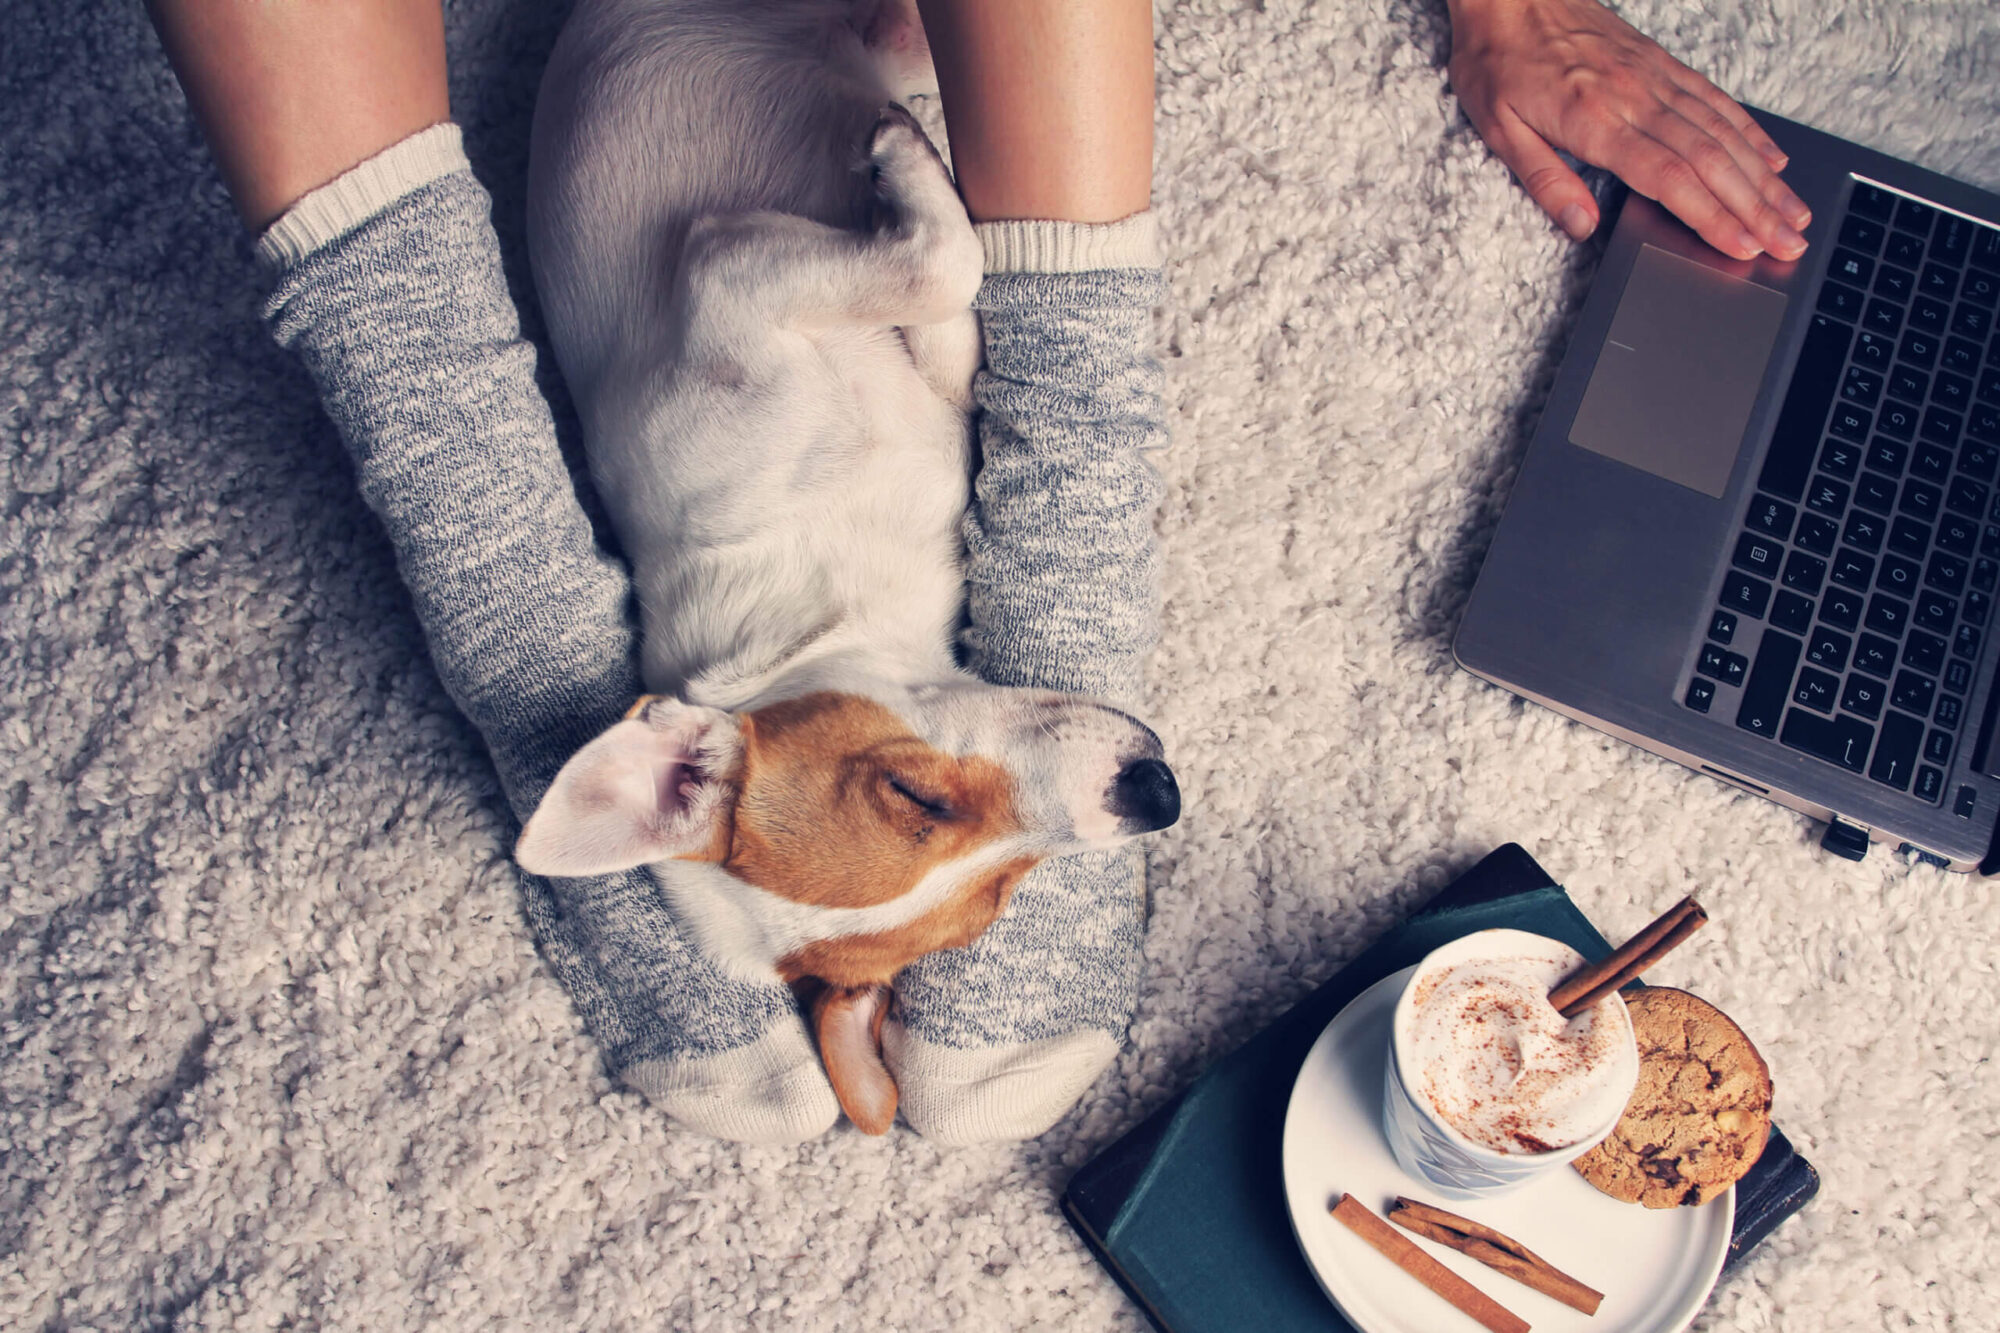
388	284
1049	107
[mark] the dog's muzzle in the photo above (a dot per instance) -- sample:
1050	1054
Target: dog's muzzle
1145	796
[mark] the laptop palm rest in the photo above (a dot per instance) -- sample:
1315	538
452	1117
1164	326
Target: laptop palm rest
1679	371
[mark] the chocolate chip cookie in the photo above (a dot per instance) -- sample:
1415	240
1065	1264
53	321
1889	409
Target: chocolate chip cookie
1699	1117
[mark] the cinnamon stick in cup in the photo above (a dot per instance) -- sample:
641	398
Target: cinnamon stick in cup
1356	1217
1587	985
1498	1252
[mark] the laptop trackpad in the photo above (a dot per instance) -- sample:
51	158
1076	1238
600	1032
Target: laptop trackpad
1679	371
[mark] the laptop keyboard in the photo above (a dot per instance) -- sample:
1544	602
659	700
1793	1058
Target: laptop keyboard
1871	550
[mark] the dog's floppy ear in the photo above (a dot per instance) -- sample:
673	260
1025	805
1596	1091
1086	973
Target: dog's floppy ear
659	786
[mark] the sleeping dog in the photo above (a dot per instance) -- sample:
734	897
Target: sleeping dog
757	280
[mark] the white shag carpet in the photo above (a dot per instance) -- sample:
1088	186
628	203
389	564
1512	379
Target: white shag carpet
278	1051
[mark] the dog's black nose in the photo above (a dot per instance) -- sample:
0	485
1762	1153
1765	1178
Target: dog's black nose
1145	796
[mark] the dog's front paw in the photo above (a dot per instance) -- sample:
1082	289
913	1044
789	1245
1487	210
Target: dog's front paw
903	158
919	203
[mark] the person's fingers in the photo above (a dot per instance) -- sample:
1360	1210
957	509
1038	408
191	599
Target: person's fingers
1753	161
1546	177
1693	82
1727	178
1659	172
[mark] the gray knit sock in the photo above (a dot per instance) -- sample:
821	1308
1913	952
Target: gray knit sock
999	1039
389	287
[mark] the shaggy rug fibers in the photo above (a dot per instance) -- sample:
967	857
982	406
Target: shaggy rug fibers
278	1049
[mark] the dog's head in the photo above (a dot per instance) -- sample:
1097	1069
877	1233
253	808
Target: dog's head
893	823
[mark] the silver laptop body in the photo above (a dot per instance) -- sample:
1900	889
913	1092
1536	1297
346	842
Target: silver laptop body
1758	528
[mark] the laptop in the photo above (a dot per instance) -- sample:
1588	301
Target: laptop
1758	528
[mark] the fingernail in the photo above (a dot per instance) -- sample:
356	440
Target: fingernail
1576	220
1801	216
1749	246
1790	244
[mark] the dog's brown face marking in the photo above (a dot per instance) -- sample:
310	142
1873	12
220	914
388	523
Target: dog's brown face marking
841	806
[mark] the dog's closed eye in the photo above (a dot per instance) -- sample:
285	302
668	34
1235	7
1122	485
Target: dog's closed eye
934	806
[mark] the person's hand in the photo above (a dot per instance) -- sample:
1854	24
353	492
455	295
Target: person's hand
1540	75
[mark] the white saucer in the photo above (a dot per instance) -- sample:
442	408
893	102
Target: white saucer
1655	1267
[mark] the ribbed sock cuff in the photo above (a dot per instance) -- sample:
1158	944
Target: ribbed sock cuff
1070	247
350	199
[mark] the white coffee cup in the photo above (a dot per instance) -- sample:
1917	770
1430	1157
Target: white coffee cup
1428	1146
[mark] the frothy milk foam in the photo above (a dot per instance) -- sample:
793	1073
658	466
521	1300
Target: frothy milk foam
1479	1041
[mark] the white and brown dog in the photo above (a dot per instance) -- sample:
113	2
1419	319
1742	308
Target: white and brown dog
757	279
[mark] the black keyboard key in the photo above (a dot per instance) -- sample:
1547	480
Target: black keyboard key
1841	458
1960	356
1841	301
1921	500
1942	427
1789	611
1862	530
1930	784
1904	249
1952	391
1882	316
1701	693
1909	536
1924	652
1850	422
1861	386
1722	628
1897	420
1888	616
1937	747
1899	576
1913	216
1745	595
1978	460
1816	690
1840	608
1978	606
1727	667
1958	675
1872	201
1989	541
1939	281
1950	711
1971	321
1932	316
1828	649
1828	496
1985	571
1980	287
1852	569
1874	351
1946	572
1912	386
1962	805
1770	682
1913	692
1817	533
1876	656
1838	740
1986	247
1965	641
1952	240
1932	463
1897	284
1896	751
1774	518
1919	349
1935	612
1983	422
1989	386
1758	555
1874	491
1967	497
1863	697
1860	234
1804	573
1811	393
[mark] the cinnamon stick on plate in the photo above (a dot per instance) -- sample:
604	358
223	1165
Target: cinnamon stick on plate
1592	982
1355	1215
1475	1240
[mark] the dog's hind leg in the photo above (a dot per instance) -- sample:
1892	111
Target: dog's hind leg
747	274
